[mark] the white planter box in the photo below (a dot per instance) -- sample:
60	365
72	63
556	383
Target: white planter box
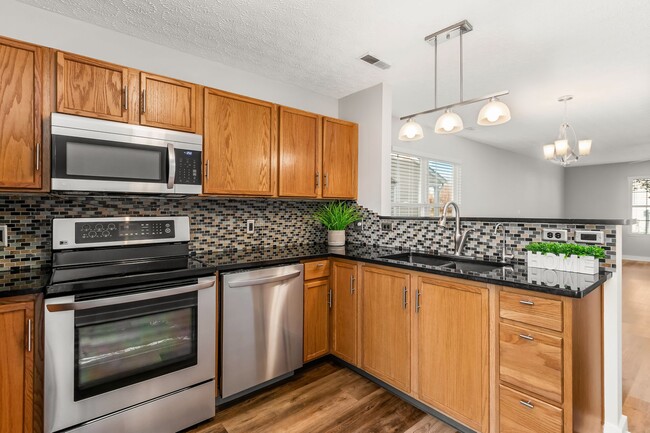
336	238
581	265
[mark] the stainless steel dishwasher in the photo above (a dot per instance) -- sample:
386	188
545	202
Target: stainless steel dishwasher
262	326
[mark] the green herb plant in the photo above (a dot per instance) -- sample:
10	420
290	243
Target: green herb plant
337	215
566	249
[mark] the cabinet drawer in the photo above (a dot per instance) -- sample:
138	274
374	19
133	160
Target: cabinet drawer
317	269
519	413
531	361
546	313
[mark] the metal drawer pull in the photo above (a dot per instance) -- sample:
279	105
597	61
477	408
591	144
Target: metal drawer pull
329	298
265	280
29	335
417	301
126	97
143	106
404	294
38	156
326	180
320	265
207	169
526	302
526	337
528	404
317	179
352	284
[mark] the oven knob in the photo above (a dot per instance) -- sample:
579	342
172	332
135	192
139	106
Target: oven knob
168	230
92	234
85	227
99	227
106	233
111	226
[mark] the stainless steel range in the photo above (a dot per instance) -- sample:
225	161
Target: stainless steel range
129	328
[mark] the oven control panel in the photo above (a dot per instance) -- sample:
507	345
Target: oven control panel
111	231
188	167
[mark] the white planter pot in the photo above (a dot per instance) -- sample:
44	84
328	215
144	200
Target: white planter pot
336	238
581	265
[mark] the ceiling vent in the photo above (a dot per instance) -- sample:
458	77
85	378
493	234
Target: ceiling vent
374	61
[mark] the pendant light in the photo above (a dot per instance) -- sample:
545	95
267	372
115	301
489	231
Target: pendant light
561	150
411	131
495	112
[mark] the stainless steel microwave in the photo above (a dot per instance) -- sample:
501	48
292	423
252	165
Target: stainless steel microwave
104	156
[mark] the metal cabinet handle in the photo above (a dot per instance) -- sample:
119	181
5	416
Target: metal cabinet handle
523	302
143	105
352	279
207	169
404	295
126	97
38	156
319	265
417	301
329	298
526	337
326	180
29	335
317	179
528	404
171	154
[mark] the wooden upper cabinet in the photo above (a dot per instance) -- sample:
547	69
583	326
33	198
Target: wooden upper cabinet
300	154
453	350
167	103
21	93
16	367
386	326
340	156
92	88
345	330
240	145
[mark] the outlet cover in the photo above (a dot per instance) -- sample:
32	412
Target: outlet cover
357	226
3	235
553	235
386	226
250	226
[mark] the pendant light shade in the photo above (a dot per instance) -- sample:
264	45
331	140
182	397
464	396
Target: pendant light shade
411	131
549	151
494	112
584	147
449	123
561	147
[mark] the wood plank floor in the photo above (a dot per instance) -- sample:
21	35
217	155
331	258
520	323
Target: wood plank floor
324	397
636	345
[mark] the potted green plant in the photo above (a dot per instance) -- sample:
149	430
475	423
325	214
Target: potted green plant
336	216
564	257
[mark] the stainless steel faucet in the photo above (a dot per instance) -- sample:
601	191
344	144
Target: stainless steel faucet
504	255
460	237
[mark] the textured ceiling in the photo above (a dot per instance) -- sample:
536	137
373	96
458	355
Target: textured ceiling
597	50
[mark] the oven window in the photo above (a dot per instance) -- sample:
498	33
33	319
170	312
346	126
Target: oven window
86	159
128	343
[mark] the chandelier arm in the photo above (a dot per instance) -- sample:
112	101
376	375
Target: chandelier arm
435	74
461	64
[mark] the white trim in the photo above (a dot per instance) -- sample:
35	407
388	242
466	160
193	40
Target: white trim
410	152
630	206
637	258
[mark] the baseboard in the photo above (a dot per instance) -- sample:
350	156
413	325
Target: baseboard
620	428
637	258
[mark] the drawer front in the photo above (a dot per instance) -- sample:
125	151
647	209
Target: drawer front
317	269
519	413
546	313
531	361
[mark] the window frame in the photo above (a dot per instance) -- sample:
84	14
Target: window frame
631	205
424	207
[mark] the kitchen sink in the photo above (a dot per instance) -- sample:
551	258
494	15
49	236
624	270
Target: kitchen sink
460	264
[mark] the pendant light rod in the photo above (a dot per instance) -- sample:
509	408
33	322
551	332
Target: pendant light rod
449	32
461	64
435	74
457	104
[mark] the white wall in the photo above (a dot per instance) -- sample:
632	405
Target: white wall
494	182
371	109
30	24
603	191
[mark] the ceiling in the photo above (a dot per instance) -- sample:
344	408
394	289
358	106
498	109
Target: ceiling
596	50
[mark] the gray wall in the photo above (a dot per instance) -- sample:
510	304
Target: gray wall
31	24
494	182
603	191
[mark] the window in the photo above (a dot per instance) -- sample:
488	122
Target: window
421	186
641	205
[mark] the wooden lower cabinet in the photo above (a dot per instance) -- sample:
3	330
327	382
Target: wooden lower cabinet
17	345
452	322
316	319
386	326
344	315
520	413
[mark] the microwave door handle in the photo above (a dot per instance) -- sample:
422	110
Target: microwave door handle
154	294
172	166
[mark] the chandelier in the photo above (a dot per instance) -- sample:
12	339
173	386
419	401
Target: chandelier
563	150
494	112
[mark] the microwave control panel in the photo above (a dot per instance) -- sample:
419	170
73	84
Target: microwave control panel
188	167
111	231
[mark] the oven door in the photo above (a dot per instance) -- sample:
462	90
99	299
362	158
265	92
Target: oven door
106	354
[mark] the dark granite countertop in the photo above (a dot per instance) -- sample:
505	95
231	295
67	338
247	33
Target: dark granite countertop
23	281
514	275
580	221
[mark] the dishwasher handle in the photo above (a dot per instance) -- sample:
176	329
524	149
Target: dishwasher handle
265	280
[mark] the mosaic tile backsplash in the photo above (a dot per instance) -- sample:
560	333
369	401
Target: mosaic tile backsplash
220	224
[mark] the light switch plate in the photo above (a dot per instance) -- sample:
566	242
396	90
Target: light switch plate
386	226
250	226
3	235
554	235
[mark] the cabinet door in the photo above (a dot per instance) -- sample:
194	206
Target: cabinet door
453	325
386	326
340	150
300	153
316	319
240	145
167	103
16	367
88	87
20	115
344	311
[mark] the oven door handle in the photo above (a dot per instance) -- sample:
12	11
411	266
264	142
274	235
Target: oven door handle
95	303
171	154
